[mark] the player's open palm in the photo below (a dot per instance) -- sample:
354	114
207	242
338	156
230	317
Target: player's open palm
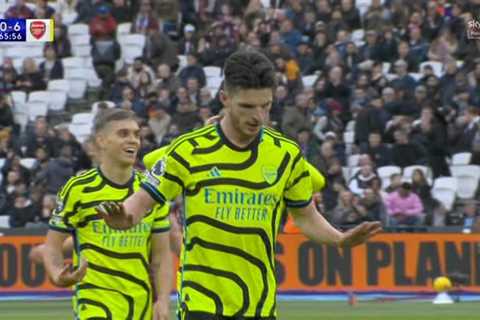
360	234
115	216
160	311
67	277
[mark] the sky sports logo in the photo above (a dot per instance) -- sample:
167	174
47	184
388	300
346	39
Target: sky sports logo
473	29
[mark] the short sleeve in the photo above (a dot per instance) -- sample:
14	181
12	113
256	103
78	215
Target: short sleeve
165	180
64	216
161	221
298	191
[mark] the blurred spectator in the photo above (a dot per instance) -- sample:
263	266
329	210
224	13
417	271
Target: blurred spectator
395	183
105	53
130	101
192	70
188	43
31	78
22	211
103	26
121	12
362	180
160	49
43	10
165	79
350	14
135	71
470	215
167	12
48	205
19	10
58	171
51	68
145	20
373	118
308	146
62	45
159	120
296	117
40	137
6	114
404	206
186	117
377	150
348	210
215	55
405	153
371	206
403	80
468	130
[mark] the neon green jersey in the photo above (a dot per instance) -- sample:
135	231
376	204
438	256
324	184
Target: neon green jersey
117	283
233	201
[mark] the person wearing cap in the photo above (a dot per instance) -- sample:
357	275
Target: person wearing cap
403	78
188	43
103	26
192	70
404	207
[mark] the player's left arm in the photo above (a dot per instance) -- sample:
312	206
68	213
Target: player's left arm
161	265
298	198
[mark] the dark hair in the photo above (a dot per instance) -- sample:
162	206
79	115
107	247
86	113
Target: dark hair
106	116
248	69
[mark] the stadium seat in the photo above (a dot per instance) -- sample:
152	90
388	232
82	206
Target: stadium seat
436	66
130	52
182	61
349	137
362	6
385	172
212	71
309	81
78	88
468	177
2	162
353	160
28	163
265	3
58	100
358	35
110	104
461	158
69	18
4	222
35	109
124	28
60	85
82	50
444	190
83	118
80	131
386	68
39	96
134	39
73	62
350	126
213	84
93	80
391	76
22	52
19	99
76	73
78	29
21	118
80	39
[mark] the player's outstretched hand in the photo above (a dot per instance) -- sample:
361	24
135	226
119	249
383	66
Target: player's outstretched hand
114	215
360	234
161	311
67	278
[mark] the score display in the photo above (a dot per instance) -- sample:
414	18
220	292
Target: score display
27	30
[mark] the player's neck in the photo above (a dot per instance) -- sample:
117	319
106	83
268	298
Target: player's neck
115	173
233	135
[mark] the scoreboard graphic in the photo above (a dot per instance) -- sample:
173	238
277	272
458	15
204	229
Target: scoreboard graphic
27	30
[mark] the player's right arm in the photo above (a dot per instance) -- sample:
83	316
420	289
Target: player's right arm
63	222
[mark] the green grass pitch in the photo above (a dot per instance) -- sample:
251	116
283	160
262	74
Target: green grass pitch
294	310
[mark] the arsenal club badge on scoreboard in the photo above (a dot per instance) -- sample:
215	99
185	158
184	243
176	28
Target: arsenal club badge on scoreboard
40	30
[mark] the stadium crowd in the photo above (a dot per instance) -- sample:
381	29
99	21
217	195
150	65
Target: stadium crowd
380	96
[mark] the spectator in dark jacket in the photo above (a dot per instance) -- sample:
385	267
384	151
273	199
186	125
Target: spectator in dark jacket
58	171
192	70
405	153
62	45
30	79
6	114
43	10
379	152
121	12
373	118
159	49
22	211
51	68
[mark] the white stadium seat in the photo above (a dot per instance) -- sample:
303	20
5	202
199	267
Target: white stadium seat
444	190
83	118
19	99
80	131
468	177
80	39
461	158
78	29
78	87
124	28
28	163
134	39
130	52
58	100
4	221
309	81
353	160
35	109
77	73
212	71
39	96
73	62
60	85
83	50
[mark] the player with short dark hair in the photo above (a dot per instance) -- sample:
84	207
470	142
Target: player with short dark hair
236	178
115	283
